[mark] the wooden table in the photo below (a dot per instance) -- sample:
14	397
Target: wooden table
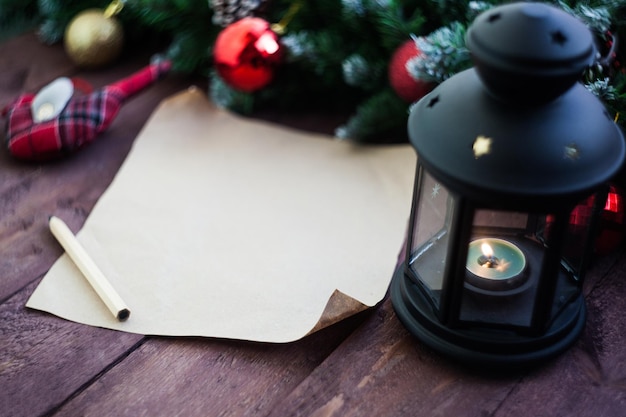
367	365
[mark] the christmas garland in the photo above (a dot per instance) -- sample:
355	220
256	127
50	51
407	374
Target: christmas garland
367	59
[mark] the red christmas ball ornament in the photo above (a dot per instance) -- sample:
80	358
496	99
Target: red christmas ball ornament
246	54
611	222
611	225
406	87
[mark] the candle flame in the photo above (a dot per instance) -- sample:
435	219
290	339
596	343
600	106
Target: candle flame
487	251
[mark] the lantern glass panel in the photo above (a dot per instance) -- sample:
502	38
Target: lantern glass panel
578	234
504	262
576	247
430	234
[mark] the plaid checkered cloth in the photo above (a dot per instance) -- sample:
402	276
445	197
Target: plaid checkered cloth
82	119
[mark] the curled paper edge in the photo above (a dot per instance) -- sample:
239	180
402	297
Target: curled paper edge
339	307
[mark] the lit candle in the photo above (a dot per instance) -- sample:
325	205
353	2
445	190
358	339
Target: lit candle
495	259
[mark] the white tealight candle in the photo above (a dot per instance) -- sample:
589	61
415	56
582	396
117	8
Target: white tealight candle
495	259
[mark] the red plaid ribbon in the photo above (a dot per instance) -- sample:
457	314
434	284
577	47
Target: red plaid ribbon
80	121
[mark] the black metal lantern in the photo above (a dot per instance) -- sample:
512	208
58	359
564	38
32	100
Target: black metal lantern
507	152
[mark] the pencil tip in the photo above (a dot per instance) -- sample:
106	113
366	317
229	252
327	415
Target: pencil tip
123	315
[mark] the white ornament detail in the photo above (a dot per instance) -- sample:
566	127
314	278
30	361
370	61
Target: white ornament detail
226	12
52	99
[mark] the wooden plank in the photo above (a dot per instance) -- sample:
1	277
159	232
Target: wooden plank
381	370
310	121
590	379
26	64
207	377
44	360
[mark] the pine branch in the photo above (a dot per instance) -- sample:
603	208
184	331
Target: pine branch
377	119
16	16
337	52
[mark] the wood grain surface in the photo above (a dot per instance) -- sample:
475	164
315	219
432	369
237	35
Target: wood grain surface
366	365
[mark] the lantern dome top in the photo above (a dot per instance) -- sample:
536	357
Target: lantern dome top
518	129
529	51
479	147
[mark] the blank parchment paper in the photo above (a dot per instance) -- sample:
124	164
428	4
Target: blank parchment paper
221	226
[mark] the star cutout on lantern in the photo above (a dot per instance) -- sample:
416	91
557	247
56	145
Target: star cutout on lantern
433	101
558	37
435	191
481	146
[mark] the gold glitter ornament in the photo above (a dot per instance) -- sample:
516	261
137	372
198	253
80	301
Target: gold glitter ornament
94	37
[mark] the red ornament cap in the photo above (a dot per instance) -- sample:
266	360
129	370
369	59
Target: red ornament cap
246	54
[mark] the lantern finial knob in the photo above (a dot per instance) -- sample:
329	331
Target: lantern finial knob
547	59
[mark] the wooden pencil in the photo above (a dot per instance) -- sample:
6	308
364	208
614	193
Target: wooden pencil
89	269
